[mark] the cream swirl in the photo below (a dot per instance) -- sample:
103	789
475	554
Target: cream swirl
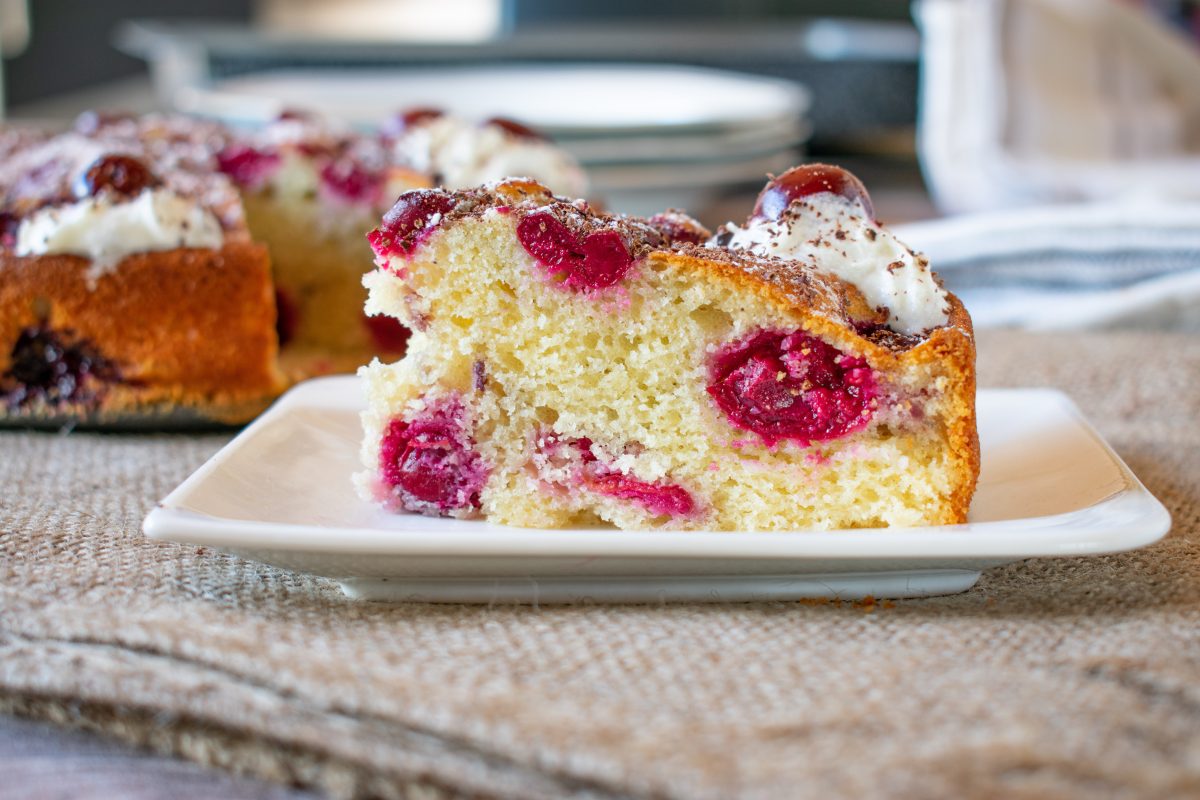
837	237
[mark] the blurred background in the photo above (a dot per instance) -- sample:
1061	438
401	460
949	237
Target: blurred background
1046	150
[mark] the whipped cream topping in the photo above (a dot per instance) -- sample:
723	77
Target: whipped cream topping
107	228
837	237
463	154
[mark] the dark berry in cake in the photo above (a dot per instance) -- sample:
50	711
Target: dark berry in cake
792	386
585	262
124	176
429	465
809	179
55	368
414	216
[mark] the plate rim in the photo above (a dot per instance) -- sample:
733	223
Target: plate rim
1129	518
220	101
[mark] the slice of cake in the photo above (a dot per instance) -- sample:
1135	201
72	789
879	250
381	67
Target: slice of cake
567	367
129	286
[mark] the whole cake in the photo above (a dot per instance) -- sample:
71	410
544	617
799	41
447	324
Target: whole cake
569	367
130	287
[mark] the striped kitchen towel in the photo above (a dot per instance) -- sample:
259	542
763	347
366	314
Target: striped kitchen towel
1070	267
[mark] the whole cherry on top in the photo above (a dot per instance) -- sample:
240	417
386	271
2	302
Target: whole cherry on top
806	180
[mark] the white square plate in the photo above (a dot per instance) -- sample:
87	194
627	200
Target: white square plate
281	493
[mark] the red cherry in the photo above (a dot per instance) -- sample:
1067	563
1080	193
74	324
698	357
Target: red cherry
10	223
295	115
805	180
663	499
121	175
247	166
351	182
409	221
675	226
387	333
409	118
429	464
516	128
287	316
792	386
589	263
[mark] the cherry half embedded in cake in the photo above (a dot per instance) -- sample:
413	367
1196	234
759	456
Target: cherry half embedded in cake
792	386
809	179
677	227
586	261
414	216
387	333
349	182
249	167
660	498
428	464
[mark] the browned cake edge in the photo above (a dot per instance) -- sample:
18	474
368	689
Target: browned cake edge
186	328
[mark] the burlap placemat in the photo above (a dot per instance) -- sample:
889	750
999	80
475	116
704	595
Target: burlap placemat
1051	678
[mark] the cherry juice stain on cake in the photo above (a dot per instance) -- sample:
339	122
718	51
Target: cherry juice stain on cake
55	368
803	181
587	262
409	222
792	386
429	464
249	167
121	175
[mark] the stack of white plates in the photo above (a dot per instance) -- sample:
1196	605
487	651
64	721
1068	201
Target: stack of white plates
650	136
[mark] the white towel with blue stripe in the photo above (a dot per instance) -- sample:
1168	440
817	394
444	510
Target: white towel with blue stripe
1070	267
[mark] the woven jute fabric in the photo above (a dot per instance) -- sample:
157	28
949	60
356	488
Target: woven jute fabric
1050	678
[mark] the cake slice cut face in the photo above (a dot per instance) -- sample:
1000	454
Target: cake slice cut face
568	367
